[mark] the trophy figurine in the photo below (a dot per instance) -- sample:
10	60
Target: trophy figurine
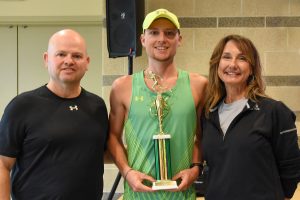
162	152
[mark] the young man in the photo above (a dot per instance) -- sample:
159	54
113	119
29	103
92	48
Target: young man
132	102
52	139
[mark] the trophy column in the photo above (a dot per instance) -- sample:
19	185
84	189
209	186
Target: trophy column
162	152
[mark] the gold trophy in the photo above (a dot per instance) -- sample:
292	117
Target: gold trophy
163	170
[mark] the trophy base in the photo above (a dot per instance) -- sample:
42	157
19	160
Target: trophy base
164	185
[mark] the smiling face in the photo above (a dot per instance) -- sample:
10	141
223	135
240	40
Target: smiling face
161	40
234	69
66	58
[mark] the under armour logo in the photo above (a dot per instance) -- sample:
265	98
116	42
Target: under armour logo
123	15
256	107
139	98
75	107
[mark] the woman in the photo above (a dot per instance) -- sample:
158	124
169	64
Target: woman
249	140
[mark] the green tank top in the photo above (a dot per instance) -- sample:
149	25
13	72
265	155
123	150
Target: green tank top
141	125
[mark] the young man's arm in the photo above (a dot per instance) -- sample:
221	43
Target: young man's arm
6	164
119	105
116	120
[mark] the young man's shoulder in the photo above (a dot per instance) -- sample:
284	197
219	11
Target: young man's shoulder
196	78
122	81
122	86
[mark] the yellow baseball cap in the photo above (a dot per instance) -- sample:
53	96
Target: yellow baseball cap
160	13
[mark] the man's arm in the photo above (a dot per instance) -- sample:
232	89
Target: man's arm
6	164
119	105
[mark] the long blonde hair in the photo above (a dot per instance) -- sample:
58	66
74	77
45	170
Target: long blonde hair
216	87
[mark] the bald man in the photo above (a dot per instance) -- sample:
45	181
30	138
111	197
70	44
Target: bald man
52	139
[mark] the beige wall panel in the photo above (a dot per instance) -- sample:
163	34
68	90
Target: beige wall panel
187	44
119	66
282	63
179	7
207	38
140	62
265	8
295	7
194	62
114	66
222	8
290	95
52	8
294	38
8	65
32	72
267	39
152	5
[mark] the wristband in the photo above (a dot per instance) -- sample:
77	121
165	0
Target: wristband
200	166
127	173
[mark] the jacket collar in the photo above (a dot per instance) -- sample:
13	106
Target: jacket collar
250	105
214	115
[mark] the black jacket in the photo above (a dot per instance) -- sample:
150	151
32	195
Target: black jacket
257	159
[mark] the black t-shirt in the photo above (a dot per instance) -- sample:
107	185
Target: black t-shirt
58	145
